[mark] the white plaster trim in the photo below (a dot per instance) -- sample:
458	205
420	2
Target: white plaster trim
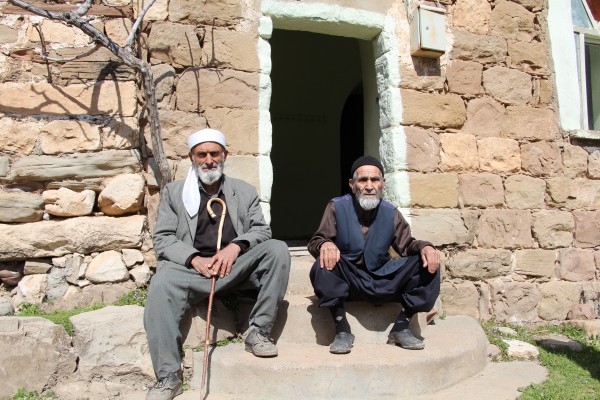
396	181
324	18
265	173
562	45
407	213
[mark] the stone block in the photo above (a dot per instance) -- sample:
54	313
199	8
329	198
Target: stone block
122	195
20	207
584	193
512	21
460	298
432	110
528	123
557	299
176	44
485	118
239	126
8	34
587	228
477	265
559	189
464	77
532	5
541	158
117	29
120	134
508	85
422	149
57	32
458	152
577	265
443	227
101	98
79	165
421	76
524	192
176	127
225	48
107	267
546	92
575	161
4	166
553	229
68	203
164	80
481	48
529	57
499	155
472	15
39	266
535	263
18	137
509	229
433	190
200	89
480	190
245	168
594	165
82	235
212	12
514	301
69	136
158	12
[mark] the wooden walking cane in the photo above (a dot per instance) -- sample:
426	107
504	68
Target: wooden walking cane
212	286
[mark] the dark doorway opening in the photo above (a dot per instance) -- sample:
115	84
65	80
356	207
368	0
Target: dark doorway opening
317	119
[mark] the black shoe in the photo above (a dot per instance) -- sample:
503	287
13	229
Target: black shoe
166	388
406	340
342	344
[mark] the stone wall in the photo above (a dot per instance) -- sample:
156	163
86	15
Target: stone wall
493	181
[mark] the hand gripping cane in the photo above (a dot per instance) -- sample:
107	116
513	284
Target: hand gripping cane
212	286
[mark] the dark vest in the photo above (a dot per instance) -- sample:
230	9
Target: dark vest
352	244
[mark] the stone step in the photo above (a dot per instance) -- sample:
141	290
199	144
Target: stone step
455	349
299	282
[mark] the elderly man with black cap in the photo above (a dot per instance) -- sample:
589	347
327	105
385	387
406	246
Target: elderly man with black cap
185	240
351	248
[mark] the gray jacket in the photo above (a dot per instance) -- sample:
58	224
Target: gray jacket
175	230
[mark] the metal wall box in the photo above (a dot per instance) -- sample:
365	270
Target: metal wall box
428	32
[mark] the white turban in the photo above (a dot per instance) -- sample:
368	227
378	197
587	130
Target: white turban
191	191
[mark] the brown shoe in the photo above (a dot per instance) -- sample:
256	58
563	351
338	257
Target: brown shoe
260	344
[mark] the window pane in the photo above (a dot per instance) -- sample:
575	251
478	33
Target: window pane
579	15
592	72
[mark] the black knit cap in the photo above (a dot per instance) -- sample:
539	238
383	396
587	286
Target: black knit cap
365	160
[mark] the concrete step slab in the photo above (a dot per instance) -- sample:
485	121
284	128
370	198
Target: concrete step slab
299	282
455	350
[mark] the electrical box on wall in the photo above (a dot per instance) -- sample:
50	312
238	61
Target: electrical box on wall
428	32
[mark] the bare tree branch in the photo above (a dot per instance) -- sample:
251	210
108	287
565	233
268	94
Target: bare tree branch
136	25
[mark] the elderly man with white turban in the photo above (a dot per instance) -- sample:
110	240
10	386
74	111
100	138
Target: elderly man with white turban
185	241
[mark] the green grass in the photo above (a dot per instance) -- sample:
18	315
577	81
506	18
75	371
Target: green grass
135	297
572	375
60	317
22	394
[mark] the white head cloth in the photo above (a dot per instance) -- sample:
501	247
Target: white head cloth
191	191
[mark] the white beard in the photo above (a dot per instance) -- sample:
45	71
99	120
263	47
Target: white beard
367	204
209	177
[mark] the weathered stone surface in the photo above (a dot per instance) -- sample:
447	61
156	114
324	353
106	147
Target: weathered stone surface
464	77
74	235
594	165
508	85
58	282
225	48
442	227
132	256
200	89
8	34
524	192
582	311
111	343
80	165
480	48
94	184
18	137
67	203
245	168
479	264
39	266
509	229
69	136
193	326
512	21
432	110
20	207
514	301
11	273
460	298
420	75
422	149
587	228
553	229
529	57
6	307
141	275
217	12
577	265
458	152
541	158
583	194
546	92
559	189
118	29
176	44
499	155
102	98
164	80
535	263
433	190
123	194
528	123
480	190
4	166
557	299
158	12
176	126
32	289
575	160
533	5
107	267
120	134
591	328
472	15
239	126
56	32
484	118
519	350
44	353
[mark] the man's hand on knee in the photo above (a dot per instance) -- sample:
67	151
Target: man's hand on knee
220	264
431	259
200	264
329	255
